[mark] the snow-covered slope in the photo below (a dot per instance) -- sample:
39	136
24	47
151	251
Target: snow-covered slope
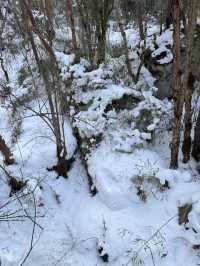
133	219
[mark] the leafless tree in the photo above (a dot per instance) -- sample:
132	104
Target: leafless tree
169	16
94	16
3	20
140	19
134	76
196	143
189	81
70	17
50	76
86	28
177	86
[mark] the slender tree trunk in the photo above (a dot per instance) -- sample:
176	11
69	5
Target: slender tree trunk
161	18
125	46
73	30
196	143
54	118
4	70
134	76
140	12
101	44
104	10
7	154
177	86
48	12
84	17
168	19
189	81
30	25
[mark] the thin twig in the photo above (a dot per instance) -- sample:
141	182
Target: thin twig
33	232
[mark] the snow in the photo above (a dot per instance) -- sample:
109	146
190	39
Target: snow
164	41
72	225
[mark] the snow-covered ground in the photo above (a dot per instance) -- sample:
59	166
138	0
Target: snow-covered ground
73	225
133	219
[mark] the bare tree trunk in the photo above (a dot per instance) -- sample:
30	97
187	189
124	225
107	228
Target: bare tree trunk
72	25
7	154
4	70
104	10
140	13
161	17
2	27
189	81
30	25
134	77
196	143
101	43
125	46
49	89
48	12
169	18
94	16
177	86
86	27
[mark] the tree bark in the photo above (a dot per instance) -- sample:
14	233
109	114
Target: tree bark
196	143
169	16
47	9
140	12
72	25
86	27
104	10
5	150
4	70
177	86
161	17
189	81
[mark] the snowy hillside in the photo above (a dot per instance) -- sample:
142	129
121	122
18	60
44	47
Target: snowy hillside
119	204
